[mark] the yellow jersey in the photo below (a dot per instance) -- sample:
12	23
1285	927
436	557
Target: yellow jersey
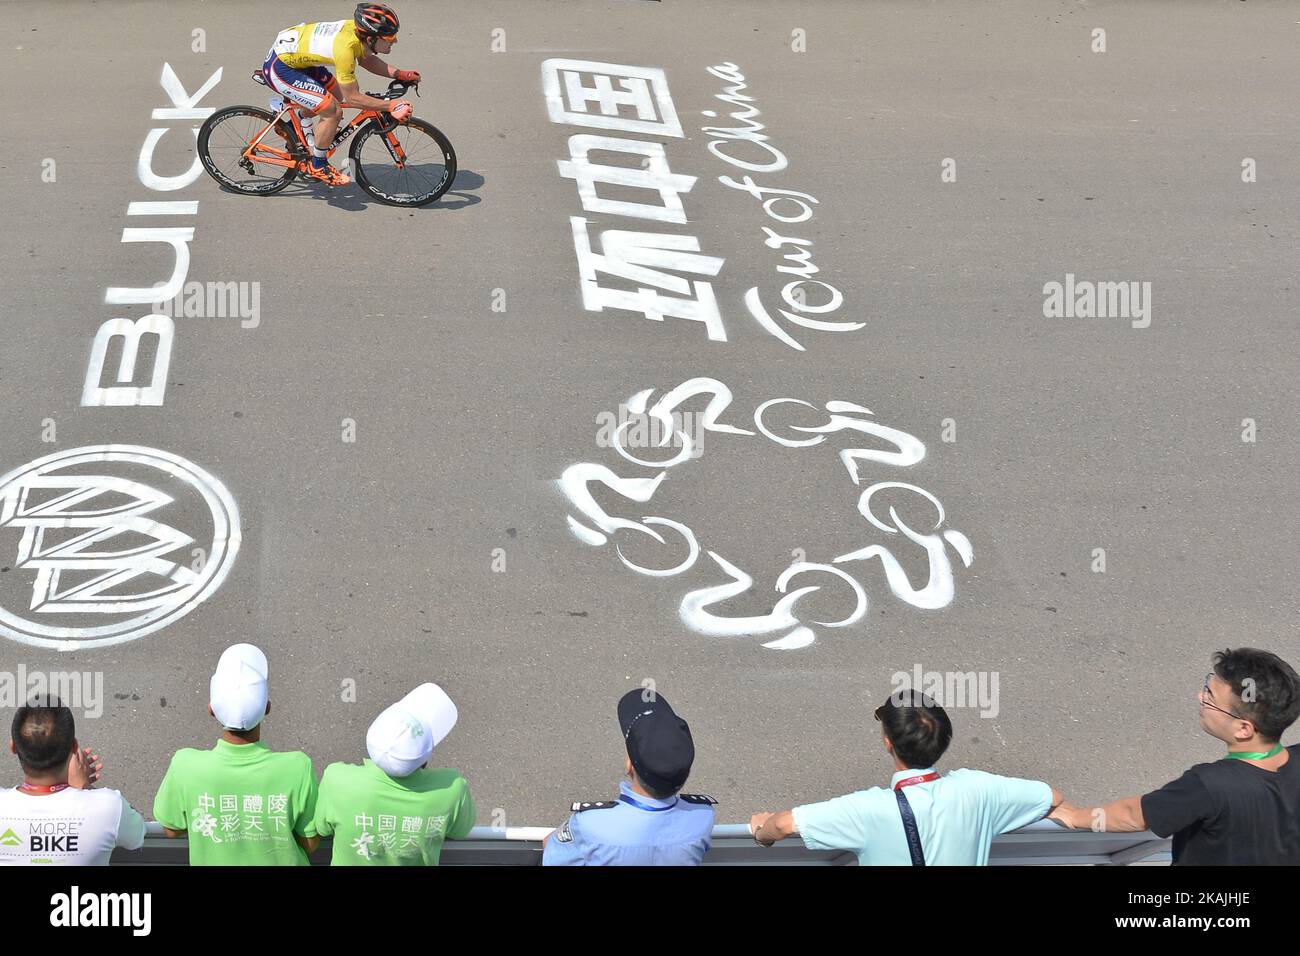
332	44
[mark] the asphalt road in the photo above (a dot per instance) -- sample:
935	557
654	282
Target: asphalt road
452	343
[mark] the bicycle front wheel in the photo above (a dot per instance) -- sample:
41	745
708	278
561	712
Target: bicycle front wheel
223	140
411	164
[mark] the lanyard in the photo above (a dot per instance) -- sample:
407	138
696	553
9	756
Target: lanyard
1253	755
41	788
909	821
921	778
645	806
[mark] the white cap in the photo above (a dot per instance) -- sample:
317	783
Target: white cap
237	691
402	737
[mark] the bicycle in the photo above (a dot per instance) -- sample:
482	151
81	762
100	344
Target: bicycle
238	148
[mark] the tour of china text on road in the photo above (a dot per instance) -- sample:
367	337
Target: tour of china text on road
642	106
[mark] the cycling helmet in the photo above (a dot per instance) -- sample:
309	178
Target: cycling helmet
375	19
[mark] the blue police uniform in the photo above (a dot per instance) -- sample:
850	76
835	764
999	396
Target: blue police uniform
634	830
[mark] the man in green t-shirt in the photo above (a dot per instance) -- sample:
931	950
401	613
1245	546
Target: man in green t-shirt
390	810
241	803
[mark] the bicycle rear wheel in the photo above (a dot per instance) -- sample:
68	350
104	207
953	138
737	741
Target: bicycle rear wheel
427	163
223	139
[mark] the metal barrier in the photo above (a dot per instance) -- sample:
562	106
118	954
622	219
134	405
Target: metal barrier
1042	844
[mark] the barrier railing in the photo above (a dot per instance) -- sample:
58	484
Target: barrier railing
1042	844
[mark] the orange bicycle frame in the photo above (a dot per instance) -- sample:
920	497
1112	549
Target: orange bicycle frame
260	152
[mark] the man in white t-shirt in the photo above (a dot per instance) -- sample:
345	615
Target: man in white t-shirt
54	817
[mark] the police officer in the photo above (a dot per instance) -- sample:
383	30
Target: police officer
650	824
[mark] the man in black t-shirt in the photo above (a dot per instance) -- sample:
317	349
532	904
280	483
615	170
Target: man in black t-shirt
1241	810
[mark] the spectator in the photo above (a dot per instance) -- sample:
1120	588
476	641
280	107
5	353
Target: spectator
947	820
54	816
650	824
241	803
390	810
1240	810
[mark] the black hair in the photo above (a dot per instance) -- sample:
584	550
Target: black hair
918	728
43	733
1267	686
658	795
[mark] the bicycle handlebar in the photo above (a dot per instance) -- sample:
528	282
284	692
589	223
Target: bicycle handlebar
396	90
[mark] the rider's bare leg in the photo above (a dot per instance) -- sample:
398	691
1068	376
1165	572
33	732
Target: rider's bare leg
324	124
327	124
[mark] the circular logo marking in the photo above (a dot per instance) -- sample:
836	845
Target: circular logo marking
107	543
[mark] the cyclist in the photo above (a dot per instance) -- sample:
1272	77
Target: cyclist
314	66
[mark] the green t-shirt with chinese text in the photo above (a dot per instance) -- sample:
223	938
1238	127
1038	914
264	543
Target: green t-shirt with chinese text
241	803
378	820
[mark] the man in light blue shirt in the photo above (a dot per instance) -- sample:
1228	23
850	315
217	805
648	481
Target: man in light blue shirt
956	815
650	824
